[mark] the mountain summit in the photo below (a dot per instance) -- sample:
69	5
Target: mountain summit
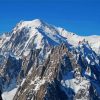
31	24
39	61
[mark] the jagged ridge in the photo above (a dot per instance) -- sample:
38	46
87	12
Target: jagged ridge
33	54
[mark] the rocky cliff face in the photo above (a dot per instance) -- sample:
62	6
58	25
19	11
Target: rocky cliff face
39	62
58	78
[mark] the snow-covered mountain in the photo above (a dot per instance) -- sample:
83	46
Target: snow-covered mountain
39	61
41	33
74	39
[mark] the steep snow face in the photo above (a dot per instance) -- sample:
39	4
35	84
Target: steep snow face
37	34
34	23
3	39
74	39
32	35
89	57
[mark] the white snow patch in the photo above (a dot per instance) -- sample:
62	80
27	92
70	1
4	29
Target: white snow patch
92	63
9	95
30	71
47	54
37	82
88	71
26	53
23	81
72	83
88	60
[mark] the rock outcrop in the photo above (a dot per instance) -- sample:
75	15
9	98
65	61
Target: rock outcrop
42	62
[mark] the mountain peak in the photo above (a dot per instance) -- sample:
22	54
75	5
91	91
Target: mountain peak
40	57
29	24
38	21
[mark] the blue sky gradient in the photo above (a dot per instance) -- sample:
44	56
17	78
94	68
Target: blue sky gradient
79	16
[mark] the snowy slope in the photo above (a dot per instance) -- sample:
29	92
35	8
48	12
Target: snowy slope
29	35
9	95
74	39
35	35
3	39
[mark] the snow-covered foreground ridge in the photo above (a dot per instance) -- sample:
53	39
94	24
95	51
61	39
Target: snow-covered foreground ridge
39	61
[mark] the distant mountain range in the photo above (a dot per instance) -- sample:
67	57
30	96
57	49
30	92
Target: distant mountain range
39	61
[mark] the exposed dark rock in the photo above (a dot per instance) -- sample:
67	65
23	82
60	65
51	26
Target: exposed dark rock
0	95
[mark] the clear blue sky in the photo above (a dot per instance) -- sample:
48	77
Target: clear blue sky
79	16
